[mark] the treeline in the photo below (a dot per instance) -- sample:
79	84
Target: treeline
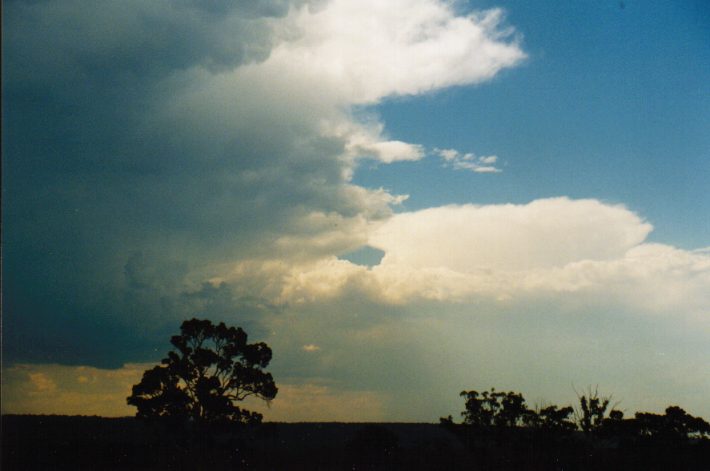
503	432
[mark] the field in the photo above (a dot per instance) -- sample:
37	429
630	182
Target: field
95	443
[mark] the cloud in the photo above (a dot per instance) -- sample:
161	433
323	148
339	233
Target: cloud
84	390
41	383
195	131
387	151
532	297
544	249
78	40
540	234
72	390
468	161
407	334
367	50
199	136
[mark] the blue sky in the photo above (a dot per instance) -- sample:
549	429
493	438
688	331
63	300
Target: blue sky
612	103
403	199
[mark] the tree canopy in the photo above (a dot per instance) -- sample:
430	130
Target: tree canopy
210	369
494	411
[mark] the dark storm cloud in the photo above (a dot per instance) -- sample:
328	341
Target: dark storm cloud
71	40
99	166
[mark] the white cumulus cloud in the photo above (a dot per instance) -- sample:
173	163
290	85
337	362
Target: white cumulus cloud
549	248
540	234
366	50
468	161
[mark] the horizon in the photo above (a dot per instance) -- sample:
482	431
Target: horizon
403	200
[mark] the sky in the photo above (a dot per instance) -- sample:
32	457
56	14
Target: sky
403	199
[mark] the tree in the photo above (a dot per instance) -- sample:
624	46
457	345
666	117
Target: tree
592	411
552	419
211	368
494	409
676	426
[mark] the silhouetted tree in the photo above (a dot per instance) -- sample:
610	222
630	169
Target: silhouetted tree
499	409
502	433
211	368
615	427
676	426
552	419
592	411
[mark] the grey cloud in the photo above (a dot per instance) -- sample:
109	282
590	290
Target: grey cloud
78	40
106	156
119	321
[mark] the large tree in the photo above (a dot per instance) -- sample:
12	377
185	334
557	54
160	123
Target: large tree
211	369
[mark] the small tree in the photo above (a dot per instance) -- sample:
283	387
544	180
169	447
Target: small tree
211	368
592	411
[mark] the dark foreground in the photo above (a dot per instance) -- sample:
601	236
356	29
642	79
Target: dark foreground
64	443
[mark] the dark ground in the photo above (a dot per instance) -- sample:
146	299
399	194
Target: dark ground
95	443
